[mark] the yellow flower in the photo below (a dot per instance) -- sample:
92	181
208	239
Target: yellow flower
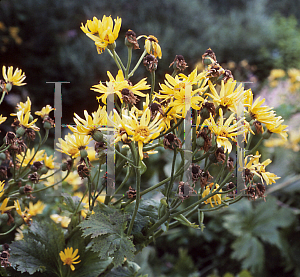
2	119
229	94
72	144
216	198
276	127
15	78
19	234
30	153
69	258
91	123
275	142
106	32
49	161
25	107
25	215
36	208
152	46
91	26
24	120
45	111
3	207
114	86
223	130
142	130
180	101
263	114
63	220
276	74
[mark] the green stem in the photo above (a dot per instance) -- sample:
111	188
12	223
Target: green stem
169	187
158	223
136	157
152	86
123	182
248	152
2	97
128	61
10	230
172	128
138	63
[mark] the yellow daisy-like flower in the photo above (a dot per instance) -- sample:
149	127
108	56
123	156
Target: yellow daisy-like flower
277	127
2	119
216	198
63	220
25	107
91	26
152	46
36	208
176	83
4	208
91	123
30	153
267	176
69	257
181	99
45	111
15	78
142	130
106	32
114	86
49	161
263	114
72	144
223	130
24	121
228	96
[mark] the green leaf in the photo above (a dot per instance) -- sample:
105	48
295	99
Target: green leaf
130	270
71	203
108	237
39	249
250	251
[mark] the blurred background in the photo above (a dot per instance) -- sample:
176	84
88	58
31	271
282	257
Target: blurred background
251	38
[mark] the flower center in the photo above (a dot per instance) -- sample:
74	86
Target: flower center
68	261
142	131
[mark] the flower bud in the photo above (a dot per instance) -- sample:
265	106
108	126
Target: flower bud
44	170
2	156
266	134
20	132
97	136
47	125
112	46
8	87
83	153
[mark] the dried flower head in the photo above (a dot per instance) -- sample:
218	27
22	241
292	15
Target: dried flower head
185	190
209	56
131	193
130	36
179	63
171	142
150	62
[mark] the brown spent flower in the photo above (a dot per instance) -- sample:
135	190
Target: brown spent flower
130	36
185	190
230	186
196	172
36	166
128	96
154	109
150	62
209	55
205	178
230	164
260	191
171	142
30	134
131	193
215	70
227	76
84	169
206	136
258	127
34	177
207	109
179	63
100	146
4	256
